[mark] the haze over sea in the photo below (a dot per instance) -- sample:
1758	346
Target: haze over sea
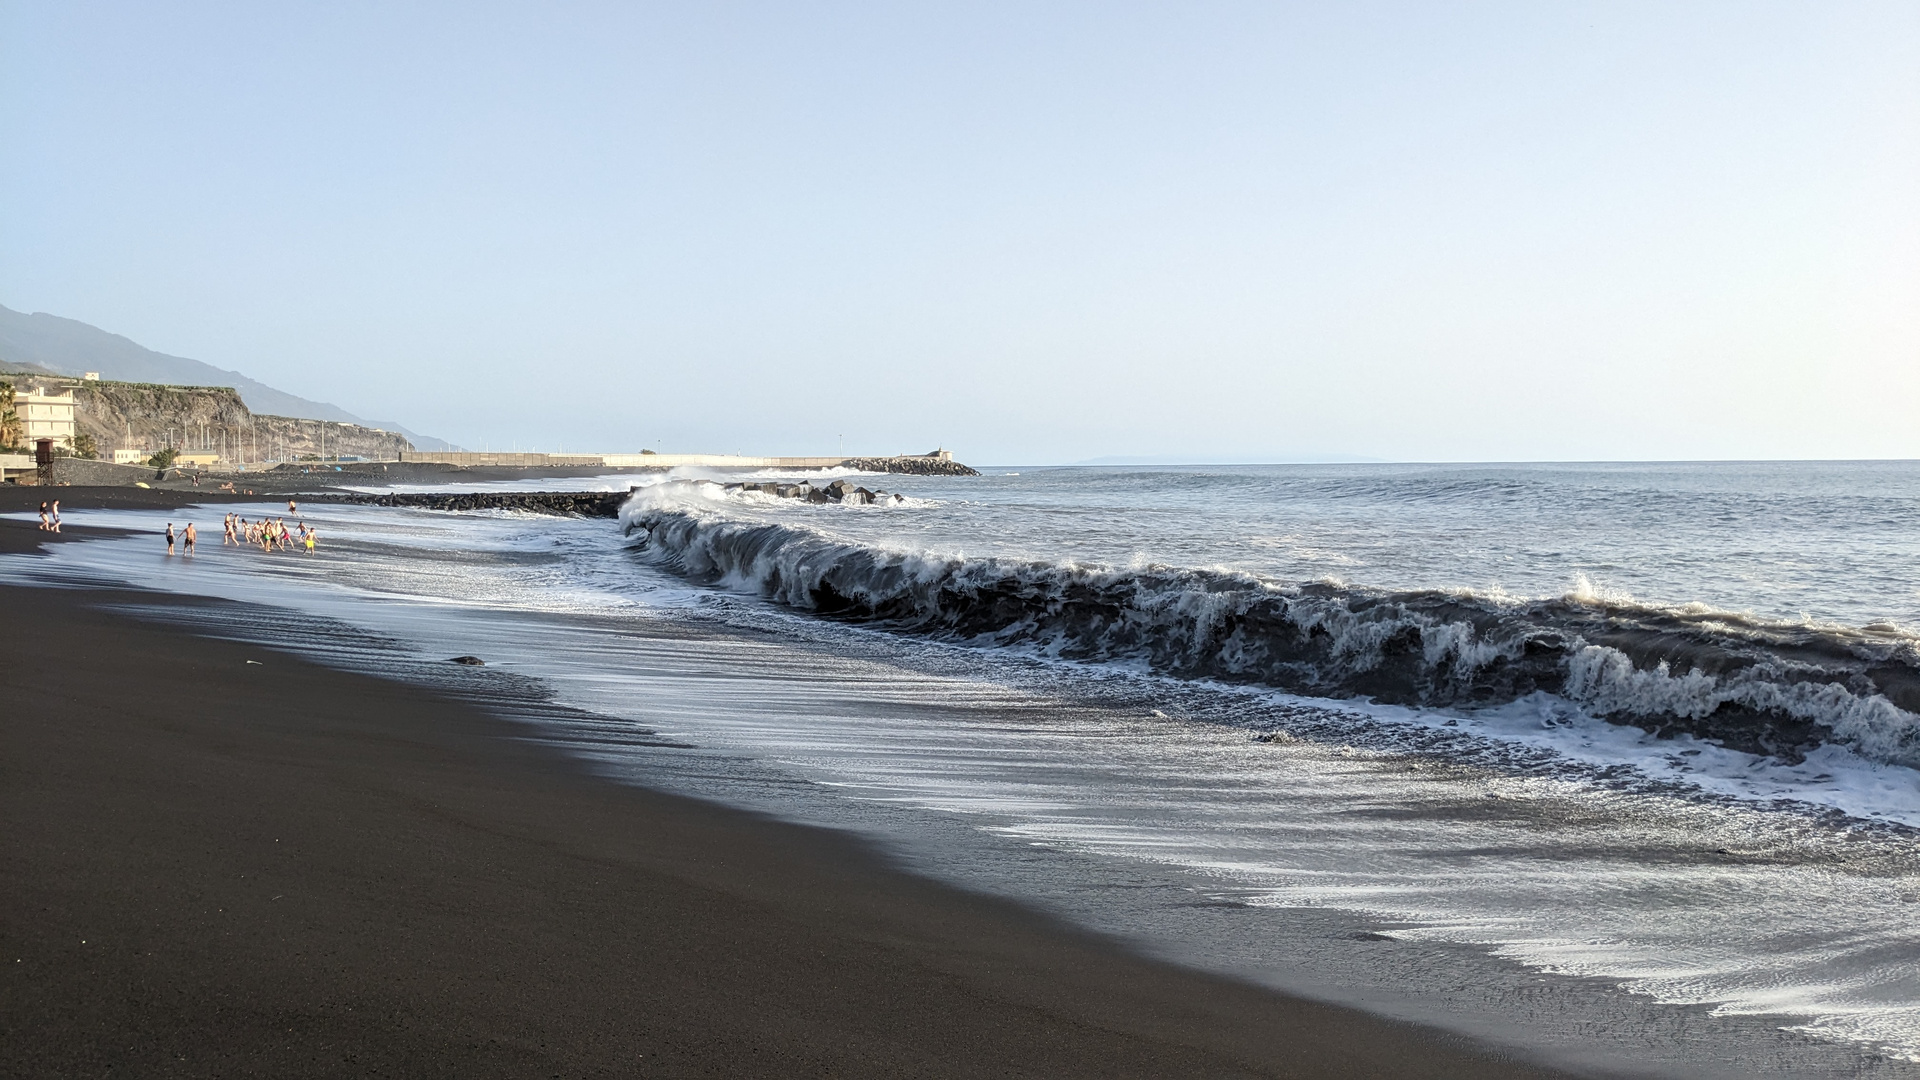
1416	737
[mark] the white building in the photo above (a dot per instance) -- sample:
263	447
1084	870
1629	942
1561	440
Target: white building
45	416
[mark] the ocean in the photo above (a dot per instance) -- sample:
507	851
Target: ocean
1616	764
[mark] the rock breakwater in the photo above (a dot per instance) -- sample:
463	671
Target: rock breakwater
912	466
595	504
598	504
840	491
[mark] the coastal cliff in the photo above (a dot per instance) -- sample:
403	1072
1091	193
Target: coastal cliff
207	419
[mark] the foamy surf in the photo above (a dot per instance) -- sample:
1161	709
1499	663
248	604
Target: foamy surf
1782	690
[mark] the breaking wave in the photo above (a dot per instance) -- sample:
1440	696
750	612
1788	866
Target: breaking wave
1765	688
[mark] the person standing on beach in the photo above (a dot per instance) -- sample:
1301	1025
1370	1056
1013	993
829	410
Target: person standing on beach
309	538
46	523
169	537
56	515
192	535
291	508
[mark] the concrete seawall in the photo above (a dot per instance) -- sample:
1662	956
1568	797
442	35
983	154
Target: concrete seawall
619	461
936	464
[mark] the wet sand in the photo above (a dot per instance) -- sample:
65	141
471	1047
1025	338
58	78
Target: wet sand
215	867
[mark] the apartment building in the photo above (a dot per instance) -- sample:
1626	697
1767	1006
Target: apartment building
45	416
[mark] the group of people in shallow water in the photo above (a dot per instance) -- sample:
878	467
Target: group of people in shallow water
268	534
50	516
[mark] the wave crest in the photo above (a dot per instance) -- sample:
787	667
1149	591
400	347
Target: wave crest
1773	689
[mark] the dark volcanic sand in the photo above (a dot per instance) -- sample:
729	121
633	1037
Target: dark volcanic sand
17	499
209	867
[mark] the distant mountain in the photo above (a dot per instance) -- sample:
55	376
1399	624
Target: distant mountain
70	347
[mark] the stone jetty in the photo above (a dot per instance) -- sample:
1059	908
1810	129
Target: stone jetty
912	465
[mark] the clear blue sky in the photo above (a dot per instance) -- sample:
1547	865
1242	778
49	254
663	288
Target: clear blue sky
1031	232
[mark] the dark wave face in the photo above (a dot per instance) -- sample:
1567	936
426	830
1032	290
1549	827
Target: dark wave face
1763	688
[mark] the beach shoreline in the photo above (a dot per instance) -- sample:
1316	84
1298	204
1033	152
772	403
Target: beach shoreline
216	866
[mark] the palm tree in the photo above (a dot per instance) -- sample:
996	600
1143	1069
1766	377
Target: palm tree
9	420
